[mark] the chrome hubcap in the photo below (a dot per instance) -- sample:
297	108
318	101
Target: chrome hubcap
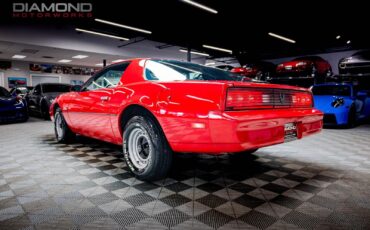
59	125
139	148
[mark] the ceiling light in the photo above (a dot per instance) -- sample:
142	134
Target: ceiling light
101	34
17	56
123	26
118	60
281	37
194	52
349	42
64	60
337	37
200	6
217	48
210	63
80	56
99	64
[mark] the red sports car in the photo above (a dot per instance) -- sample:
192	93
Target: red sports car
309	68
156	107
258	70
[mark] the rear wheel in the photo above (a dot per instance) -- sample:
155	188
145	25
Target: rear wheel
352	118
63	133
145	148
45	111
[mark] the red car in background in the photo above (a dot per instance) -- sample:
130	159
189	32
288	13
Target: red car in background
305	70
258	70
156	107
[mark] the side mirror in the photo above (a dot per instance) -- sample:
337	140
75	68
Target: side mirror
362	93
76	88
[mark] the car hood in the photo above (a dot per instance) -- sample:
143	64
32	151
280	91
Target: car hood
7	101
354	60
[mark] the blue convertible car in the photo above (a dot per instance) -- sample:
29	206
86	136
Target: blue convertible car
12	108
342	104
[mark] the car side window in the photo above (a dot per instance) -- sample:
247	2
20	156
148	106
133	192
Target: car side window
108	78
37	90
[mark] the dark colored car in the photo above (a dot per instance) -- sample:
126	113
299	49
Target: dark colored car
12	108
303	71
356	65
257	70
21	91
41	97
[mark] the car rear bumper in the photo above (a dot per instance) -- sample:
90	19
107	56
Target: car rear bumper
239	131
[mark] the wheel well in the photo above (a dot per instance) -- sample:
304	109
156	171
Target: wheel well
55	108
134	110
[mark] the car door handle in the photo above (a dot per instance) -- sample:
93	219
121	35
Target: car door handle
104	98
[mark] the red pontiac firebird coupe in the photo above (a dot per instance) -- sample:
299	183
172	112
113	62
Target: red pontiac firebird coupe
156	107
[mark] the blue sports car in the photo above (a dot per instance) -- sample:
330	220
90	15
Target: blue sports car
12	107
342	104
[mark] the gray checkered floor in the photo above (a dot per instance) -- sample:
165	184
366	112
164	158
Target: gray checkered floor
321	182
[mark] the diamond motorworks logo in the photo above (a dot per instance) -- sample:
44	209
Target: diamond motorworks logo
52	10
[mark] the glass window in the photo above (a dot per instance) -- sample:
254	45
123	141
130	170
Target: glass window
166	70
335	90
108	78
55	88
37	90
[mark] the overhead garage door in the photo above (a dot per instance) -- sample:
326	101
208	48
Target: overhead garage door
36	79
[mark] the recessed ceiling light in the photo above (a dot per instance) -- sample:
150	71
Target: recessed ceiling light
99	64
349	42
194	52
123	26
218	48
337	37
17	56
118	60
64	60
282	37
101	34
80	56
200	6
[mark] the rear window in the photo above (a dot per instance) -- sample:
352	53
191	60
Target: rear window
4	92
166	70
335	90
55	88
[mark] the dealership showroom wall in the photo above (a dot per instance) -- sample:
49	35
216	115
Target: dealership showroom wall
184	114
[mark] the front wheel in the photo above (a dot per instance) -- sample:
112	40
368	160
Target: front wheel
145	148
62	132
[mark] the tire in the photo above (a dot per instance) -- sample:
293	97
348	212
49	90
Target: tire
63	133
351	118
45	111
145	148
242	157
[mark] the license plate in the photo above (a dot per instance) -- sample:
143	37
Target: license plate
288	67
290	132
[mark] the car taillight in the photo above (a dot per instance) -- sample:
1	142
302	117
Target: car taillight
238	99
301	99
256	98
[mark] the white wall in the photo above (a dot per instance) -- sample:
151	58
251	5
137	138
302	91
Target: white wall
21	69
332	58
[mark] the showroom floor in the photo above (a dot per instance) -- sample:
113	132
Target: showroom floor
321	182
